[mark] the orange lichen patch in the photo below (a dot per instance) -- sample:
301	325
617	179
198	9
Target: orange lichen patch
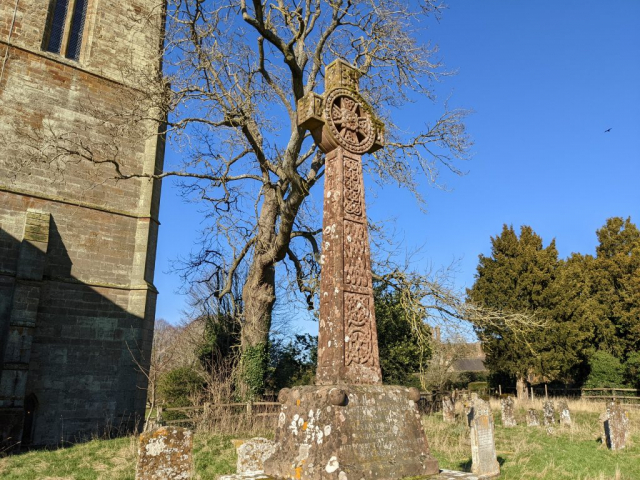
237	442
298	402
298	473
159	432
304	426
166	449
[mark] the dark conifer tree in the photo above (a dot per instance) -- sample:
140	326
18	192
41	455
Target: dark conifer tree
522	275
616	287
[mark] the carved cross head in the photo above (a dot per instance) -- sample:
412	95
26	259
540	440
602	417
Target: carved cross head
341	117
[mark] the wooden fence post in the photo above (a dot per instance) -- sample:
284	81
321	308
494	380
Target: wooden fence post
546	393
249	410
500	390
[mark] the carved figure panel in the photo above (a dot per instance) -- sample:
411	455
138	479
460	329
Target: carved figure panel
352	187
357	267
331	189
359	317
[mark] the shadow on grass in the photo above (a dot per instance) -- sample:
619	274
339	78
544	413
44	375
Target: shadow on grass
466	466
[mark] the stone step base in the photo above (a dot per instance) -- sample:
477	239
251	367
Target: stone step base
444	475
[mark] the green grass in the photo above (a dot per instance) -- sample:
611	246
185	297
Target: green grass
524	453
113	460
213	455
575	453
97	459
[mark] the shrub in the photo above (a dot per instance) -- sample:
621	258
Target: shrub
632	370
177	389
478	387
605	371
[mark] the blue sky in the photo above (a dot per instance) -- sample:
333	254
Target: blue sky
545	80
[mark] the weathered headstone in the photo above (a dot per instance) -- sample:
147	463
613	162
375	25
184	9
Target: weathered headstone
507	406
616	426
349	425
549	413
448	409
165	454
483	448
565	414
532	418
252	454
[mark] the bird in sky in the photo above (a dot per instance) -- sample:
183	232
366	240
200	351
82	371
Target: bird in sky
607	130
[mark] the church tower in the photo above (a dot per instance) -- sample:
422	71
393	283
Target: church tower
77	248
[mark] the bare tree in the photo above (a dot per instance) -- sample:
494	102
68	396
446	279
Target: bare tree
440	373
239	70
234	72
430	298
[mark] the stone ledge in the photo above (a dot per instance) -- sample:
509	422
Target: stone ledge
75	203
443	475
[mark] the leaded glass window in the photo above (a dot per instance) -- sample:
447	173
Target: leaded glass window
65	27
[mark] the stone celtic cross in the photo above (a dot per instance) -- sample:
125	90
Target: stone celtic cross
343	126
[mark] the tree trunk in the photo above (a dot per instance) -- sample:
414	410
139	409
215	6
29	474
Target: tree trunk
273	236
258	296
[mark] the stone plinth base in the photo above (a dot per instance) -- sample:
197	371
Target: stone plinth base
350	432
444	475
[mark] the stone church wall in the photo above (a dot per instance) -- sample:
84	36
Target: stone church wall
77	249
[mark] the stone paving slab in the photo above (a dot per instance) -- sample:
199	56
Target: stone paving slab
444	475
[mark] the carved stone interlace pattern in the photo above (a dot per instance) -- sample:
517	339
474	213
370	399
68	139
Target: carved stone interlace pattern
348	121
352	187
358	341
357	271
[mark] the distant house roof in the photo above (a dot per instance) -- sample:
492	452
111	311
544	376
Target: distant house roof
469	365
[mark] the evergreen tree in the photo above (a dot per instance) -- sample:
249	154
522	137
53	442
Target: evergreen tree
616	287
401	355
591	303
522	275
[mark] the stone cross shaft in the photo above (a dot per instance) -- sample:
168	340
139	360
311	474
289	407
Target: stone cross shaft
344	128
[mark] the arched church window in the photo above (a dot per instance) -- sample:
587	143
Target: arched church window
65	27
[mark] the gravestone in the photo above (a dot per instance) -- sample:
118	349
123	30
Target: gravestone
252	454
467	407
448	409
507	406
549	413
565	414
532	418
616	426
348	425
165	454
483	448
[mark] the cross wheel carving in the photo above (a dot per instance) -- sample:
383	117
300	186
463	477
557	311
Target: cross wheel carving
349	122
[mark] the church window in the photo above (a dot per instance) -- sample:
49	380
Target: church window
65	27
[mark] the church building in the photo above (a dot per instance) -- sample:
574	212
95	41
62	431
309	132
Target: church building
77	247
